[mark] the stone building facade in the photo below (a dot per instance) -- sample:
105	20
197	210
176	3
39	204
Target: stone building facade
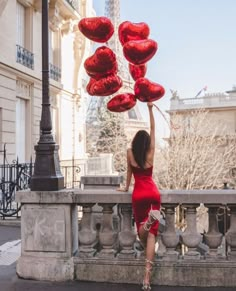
219	124
21	77
220	106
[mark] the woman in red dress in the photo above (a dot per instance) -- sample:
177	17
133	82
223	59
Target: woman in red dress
145	196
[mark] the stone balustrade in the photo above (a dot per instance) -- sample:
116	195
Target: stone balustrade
58	246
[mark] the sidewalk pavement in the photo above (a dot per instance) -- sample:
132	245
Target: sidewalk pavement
10	282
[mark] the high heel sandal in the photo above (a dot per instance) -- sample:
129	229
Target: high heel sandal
153	216
147	286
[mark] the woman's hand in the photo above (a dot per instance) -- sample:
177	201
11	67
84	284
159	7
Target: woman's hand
122	189
150	104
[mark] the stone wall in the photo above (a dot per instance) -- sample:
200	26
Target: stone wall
106	249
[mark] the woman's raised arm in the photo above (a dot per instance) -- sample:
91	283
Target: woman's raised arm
152	125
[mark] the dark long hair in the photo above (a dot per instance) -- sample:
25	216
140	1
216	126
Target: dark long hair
140	146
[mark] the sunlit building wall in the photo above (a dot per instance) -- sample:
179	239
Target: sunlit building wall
221	108
21	76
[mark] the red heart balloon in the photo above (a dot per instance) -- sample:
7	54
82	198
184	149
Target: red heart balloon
132	31
89	86
105	86
98	29
147	91
139	52
137	71
102	63
121	102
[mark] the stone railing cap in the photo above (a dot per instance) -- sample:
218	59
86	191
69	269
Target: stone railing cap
78	196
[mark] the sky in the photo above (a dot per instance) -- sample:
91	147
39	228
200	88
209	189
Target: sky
196	45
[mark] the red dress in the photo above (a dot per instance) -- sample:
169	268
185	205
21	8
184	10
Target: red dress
145	195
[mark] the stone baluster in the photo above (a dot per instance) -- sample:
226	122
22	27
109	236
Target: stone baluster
190	237
107	235
161	250
126	236
213	237
231	233
87	235
170	237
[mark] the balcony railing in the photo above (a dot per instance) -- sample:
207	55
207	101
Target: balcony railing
16	176
214	100
74	4
55	73
107	239
24	57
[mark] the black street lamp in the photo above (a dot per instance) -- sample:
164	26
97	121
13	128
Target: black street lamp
47	174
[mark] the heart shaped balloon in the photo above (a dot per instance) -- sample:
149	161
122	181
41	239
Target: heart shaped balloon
121	102
98	29
132	31
137	71
105	86
102	63
139	52
89	86
147	91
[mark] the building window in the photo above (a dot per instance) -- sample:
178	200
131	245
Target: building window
20	24
23	120
51	44
55	71
24	55
54	116
21	129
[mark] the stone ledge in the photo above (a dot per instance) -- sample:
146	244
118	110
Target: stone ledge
73	196
204	274
109	195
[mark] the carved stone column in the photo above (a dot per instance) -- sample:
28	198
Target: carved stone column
87	235
190	237
126	237
231	233
107	235
170	238
213	237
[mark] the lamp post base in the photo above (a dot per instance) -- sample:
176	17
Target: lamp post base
47	174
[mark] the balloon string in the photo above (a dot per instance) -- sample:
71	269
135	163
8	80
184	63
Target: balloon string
170	124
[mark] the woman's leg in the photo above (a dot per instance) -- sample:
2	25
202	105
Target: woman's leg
149	240
143	234
145	227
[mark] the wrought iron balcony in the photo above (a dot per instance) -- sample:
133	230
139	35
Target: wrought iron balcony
24	57
55	73
74	4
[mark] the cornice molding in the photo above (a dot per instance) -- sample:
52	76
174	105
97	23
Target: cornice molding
27	3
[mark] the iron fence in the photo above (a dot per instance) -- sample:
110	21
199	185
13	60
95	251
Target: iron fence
13	177
16	176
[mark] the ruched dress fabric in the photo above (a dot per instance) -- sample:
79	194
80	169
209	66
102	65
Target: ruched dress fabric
145	196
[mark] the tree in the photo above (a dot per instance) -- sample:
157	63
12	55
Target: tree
197	154
106	134
112	139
